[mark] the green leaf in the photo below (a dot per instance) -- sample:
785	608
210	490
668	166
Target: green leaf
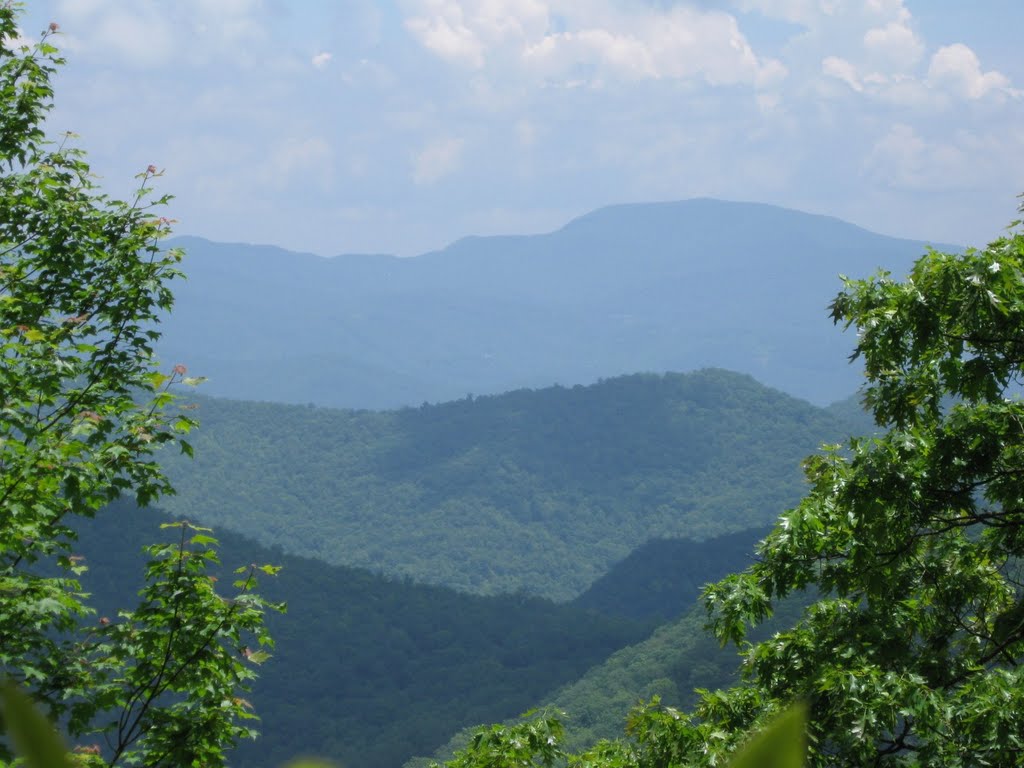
781	744
156	379
34	737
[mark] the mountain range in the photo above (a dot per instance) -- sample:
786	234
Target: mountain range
521	508
625	289
534	490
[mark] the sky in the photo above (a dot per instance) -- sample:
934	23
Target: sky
399	126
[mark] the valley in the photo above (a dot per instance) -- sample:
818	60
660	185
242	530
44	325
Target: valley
451	563
560	451
482	496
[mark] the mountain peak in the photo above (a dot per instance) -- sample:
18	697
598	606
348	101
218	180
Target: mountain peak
636	287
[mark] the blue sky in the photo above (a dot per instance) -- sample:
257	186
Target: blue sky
399	126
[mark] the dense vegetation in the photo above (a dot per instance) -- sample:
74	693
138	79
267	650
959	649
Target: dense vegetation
367	670
661	578
532	490
678	658
370	671
83	408
915	537
906	547
84	411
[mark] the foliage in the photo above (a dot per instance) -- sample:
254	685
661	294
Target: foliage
678	661
172	669
537	741
540	491
662	578
369	670
782	744
914	537
83	279
33	735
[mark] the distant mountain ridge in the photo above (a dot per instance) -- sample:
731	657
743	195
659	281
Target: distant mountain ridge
643	287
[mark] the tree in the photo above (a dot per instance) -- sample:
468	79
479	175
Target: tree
912	539
83	409
536	743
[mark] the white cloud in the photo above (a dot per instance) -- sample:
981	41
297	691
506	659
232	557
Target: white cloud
438	159
898	89
957	69
883	59
305	158
886	7
768	102
894	46
442	30
568	104
140	36
322	59
152	33
19	40
526	133
498	21
841	69
898	158
772	72
805	12
565	41
903	91
234	21
903	159
559	55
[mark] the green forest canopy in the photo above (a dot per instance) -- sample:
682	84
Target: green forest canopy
539	491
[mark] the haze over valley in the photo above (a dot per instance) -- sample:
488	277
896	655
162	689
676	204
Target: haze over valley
616	499
634	288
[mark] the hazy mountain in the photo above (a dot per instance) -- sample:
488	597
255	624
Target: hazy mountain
665	286
531	490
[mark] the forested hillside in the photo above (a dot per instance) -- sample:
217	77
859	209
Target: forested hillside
532	490
367	670
661	578
458	561
678	658
647	287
